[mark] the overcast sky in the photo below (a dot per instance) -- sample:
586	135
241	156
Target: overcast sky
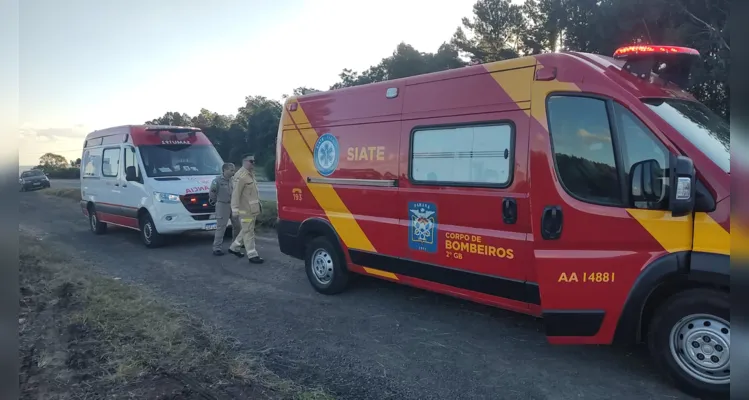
91	64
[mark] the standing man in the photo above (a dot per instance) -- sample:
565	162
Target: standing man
245	202
220	196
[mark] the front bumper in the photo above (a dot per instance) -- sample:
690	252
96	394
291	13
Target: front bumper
35	185
289	241
173	218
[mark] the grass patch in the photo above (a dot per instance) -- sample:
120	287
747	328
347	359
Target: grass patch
86	335
67	193
269	215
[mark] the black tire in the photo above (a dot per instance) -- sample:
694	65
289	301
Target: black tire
331	261
229	231
148	233
714	305
96	226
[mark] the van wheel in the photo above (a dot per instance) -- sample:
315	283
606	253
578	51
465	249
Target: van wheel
690	339
96	226
325	269
148	233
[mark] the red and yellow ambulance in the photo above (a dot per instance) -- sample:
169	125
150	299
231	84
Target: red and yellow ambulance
588	190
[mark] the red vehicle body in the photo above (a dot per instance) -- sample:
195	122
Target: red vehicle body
596	271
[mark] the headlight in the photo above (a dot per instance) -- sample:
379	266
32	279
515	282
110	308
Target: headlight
166	197
20	181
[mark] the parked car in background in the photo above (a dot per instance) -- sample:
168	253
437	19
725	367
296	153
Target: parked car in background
34	179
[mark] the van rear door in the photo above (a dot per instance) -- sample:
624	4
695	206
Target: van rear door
593	240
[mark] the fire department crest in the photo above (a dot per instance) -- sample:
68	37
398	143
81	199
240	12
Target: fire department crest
422	226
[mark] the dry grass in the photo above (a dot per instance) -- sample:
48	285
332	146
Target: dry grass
137	336
67	193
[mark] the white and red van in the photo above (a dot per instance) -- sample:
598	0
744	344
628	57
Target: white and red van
151	178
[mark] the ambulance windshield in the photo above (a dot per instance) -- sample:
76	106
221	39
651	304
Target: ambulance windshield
706	130
180	160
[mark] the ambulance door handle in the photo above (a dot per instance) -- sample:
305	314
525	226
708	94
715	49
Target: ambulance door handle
551	223
509	210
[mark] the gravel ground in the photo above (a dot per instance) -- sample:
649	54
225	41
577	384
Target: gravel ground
378	340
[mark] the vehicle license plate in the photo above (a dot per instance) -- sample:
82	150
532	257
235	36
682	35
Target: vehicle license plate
210	227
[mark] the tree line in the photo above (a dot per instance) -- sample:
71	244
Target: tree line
499	30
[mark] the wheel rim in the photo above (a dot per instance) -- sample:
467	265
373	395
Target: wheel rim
94	222
700	344
322	266
147	232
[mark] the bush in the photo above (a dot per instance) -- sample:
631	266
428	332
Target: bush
269	215
270	170
61	173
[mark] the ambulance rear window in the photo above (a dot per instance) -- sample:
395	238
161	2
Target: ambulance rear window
705	129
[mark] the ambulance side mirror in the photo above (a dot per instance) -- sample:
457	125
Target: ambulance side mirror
682	186
646	182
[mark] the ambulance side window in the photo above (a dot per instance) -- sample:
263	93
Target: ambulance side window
583	149
640	144
477	155
110	162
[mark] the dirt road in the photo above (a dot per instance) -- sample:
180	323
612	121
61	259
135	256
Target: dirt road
376	341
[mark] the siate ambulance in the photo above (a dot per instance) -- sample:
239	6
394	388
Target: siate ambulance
591	191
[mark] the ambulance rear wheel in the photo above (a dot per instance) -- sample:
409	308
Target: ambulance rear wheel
325	268
148	233
690	339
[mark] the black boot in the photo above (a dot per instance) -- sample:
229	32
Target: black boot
256	260
236	253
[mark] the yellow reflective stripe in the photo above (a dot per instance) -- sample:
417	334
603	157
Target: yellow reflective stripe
298	144
709	236
672	233
383	274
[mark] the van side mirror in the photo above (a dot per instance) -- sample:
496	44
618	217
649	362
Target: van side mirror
130	174
646	182
683	186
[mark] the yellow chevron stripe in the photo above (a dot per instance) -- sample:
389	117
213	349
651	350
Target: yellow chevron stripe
295	142
673	233
709	236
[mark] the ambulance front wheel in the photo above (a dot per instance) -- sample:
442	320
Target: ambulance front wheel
148	233
325	268
690	339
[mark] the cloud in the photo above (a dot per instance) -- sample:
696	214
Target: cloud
78	131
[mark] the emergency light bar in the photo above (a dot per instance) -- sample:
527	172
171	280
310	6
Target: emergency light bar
173	129
629	51
671	63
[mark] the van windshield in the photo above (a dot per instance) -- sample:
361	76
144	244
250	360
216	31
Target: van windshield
180	160
706	130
